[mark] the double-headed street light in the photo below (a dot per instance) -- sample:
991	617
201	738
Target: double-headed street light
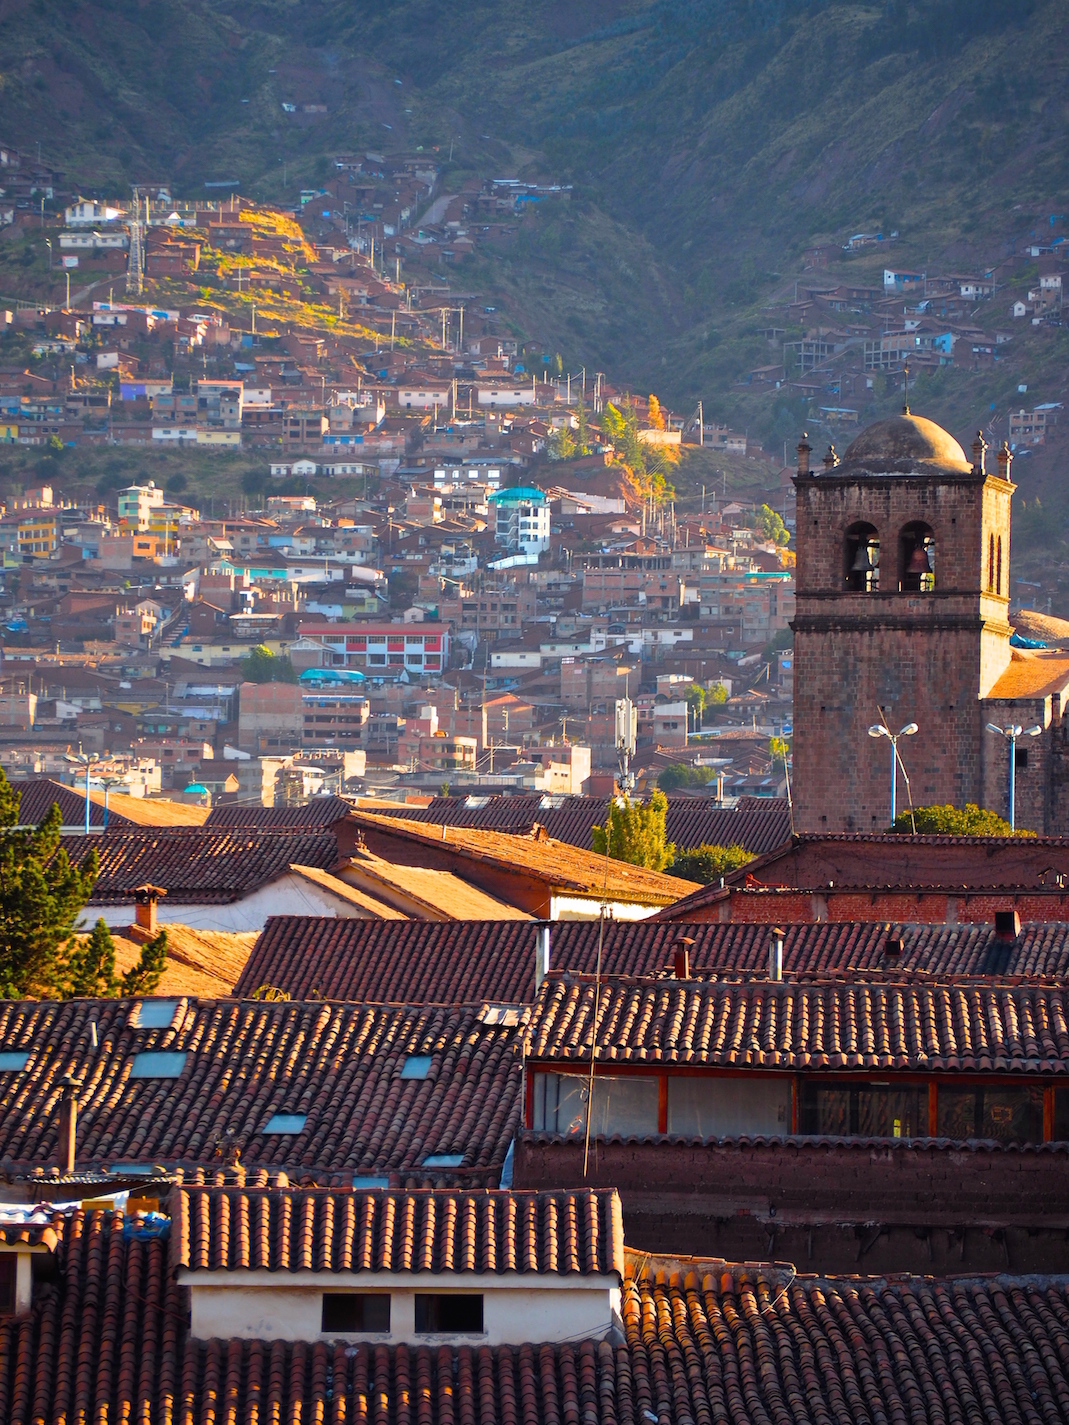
1011	734
879	730
86	759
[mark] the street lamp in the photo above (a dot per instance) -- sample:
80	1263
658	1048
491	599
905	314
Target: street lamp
1011	734
107	783
86	759
879	730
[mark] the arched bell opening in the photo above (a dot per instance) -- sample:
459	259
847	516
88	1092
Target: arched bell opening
916	558
861	559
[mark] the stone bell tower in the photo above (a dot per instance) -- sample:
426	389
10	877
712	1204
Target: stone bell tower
902	601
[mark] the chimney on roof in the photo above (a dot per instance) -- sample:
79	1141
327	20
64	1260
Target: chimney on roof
775	954
541	953
681	957
145	899
1007	925
805	450
68	1123
892	950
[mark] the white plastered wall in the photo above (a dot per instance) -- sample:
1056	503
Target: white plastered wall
516	1307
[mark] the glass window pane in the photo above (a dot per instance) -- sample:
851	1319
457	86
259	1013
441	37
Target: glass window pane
892	1112
1061	1115
356	1311
622	1105
956	1112
826	1110
727	1107
1013	1114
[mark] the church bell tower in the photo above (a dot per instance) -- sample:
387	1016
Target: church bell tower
903	550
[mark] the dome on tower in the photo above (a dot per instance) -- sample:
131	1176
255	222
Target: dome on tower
904	444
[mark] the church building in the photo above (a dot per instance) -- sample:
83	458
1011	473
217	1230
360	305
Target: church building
902	624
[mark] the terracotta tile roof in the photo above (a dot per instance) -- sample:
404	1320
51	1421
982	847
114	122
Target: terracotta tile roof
318	813
704	1343
1032	675
207	963
245	1061
563	867
196	865
916	1024
428	894
361	903
445	963
438	1230
691	821
150	811
38	794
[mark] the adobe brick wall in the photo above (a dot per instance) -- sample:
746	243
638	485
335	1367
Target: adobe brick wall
924	658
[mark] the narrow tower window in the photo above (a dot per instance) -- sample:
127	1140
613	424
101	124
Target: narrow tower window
998	568
990	563
916	558
861	559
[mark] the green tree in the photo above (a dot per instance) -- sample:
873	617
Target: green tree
707	864
41	897
584	439
636	833
716	696
562	444
678	776
955	821
263	666
696	699
771	527
90	971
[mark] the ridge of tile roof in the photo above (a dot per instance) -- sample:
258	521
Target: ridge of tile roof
435	1230
149	811
703	1341
38	794
554	862
937	1026
691	821
319	812
338	1065
445	963
196	865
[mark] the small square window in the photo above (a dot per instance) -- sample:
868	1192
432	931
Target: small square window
13	1062
8	1269
449	1314
356	1311
290	1123
416	1066
370	1182
156	1064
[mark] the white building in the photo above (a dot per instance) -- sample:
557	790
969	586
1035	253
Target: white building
88	214
521	520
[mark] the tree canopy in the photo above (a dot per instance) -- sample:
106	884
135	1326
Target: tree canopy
41	898
771	527
955	821
708	863
649	465
679	775
263	666
635	832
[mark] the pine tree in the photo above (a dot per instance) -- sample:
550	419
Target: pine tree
41	897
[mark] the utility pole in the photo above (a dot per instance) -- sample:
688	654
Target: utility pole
701	425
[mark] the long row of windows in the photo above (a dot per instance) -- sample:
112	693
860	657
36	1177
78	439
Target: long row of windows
727	1106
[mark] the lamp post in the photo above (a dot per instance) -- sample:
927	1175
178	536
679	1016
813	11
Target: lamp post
86	759
107	783
1011	733
879	730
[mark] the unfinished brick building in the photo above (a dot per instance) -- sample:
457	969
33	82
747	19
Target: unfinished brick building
903	617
